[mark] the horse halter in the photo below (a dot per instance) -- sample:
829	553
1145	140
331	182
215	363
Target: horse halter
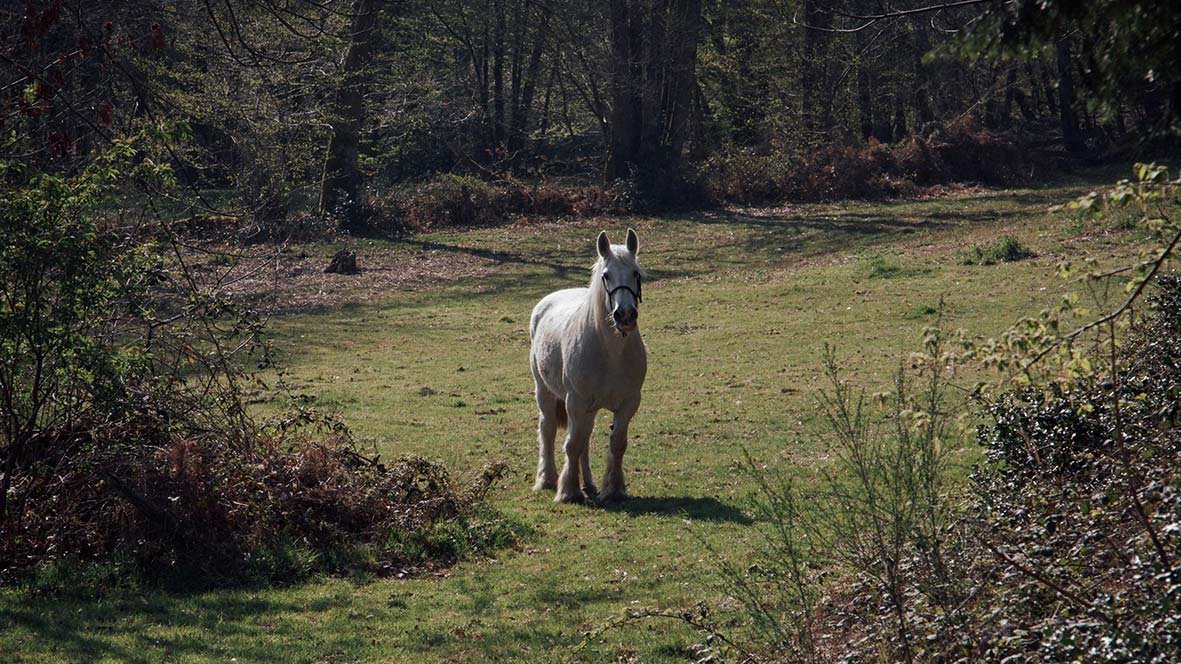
638	293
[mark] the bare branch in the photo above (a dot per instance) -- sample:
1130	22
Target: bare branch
869	19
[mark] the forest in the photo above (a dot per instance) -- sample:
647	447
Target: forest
910	313
357	112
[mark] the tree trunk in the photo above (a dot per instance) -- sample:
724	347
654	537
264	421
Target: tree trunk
864	94
625	104
921	99
653	60
898	130
812	69
1010	96
543	127
1048	87
340	186
1035	90
486	80
520	124
1070	134
652	51
498	123
701	142
520	29
682	79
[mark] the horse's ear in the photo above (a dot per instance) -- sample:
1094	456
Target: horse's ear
633	241
603	245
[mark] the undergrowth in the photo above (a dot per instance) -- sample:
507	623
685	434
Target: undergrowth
126	448
960	152
1064	546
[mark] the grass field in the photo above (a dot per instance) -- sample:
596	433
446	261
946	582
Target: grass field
736	312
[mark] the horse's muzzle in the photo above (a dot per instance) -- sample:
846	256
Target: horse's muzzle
625	319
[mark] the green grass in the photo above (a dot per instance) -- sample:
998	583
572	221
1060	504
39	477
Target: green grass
888	266
735	317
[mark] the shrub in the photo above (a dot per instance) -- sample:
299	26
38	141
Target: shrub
1081	508
744	177
883	510
271	509
125	442
1005	249
464	200
969	152
451	200
959	152
1066	545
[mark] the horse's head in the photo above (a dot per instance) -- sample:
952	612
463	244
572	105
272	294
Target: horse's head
621	277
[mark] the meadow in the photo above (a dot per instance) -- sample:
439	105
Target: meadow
737	309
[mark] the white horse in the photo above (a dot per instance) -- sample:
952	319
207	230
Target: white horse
587	354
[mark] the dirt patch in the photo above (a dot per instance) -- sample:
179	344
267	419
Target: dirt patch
286	281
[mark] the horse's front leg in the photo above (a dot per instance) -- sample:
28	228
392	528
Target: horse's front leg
547	429
581	424
614	487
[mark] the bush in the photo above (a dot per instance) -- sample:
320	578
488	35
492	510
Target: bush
1005	249
870	170
883	511
1066	545
271	509
744	177
464	200
451	200
1083	492
959	152
125	442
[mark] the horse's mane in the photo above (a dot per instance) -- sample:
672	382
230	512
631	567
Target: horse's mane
598	300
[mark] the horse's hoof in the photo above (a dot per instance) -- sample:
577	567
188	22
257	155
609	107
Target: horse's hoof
543	484
613	497
571	497
591	492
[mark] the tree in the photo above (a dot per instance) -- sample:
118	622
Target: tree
653	78
341	185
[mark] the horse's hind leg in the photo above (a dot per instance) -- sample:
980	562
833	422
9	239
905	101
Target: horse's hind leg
551	411
589	490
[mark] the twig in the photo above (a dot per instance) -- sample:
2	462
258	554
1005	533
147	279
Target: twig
1156	265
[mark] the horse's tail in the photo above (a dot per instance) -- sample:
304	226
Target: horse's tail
560	414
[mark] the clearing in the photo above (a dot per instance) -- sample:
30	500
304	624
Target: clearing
736	313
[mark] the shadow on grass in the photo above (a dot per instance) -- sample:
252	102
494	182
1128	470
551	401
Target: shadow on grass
547	260
699	509
135	626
